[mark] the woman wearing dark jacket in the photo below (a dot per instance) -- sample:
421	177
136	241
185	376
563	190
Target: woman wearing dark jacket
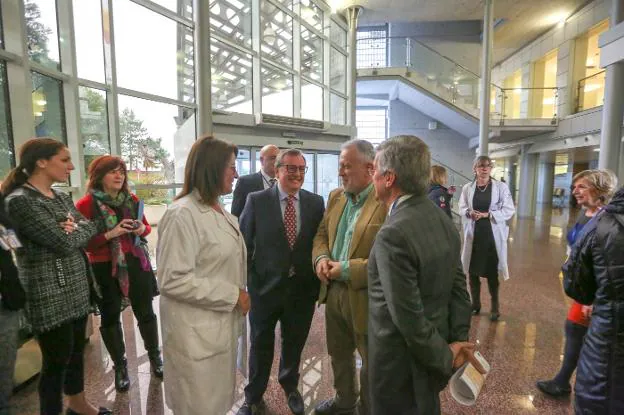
120	264
9	317
592	189
54	270
594	275
438	192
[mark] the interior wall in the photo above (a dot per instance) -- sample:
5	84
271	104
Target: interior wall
446	145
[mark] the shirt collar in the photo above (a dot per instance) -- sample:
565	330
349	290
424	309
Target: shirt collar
398	201
283	195
360	197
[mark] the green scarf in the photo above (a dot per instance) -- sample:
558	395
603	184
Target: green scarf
107	205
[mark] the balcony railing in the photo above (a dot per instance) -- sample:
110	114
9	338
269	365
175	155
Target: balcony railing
591	92
454	83
511	104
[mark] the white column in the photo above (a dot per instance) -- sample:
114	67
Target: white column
203	90
486	72
546	178
613	108
528	175
352	13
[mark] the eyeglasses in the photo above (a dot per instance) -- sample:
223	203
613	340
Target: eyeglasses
291	168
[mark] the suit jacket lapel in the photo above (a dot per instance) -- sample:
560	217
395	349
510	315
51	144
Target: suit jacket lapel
334	219
259	182
303	214
368	210
276	209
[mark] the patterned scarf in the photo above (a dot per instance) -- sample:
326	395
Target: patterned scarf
107	206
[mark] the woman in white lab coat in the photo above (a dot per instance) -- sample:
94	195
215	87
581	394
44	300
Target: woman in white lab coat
202	274
485	206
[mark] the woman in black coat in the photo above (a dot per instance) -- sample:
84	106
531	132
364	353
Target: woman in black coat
594	274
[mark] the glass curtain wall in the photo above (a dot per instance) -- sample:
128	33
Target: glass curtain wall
295	52
102	86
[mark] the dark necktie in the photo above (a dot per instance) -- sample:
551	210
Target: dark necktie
290	221
272	182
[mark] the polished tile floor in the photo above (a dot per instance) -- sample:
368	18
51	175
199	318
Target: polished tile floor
524	346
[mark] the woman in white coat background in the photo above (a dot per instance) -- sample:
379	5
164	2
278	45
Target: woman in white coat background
485	206
202	273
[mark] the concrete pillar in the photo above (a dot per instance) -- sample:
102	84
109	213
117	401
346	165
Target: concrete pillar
546	178
613	108
527	185
352	14
486	73
203	90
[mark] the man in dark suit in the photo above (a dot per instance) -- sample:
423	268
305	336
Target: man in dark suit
419	308
262	180
279	225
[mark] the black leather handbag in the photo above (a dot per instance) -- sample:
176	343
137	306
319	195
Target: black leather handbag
13	295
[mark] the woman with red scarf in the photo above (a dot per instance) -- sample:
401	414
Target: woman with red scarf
120	262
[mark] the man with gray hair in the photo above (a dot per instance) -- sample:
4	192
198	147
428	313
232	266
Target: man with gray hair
419	307
341	248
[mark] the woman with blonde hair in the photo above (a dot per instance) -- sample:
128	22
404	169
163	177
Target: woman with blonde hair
592	190
485	206
438	192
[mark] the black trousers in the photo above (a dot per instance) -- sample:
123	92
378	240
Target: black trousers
63	367
140	293
294	310
575	334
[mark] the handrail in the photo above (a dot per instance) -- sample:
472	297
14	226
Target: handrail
521	88
591	76
421	44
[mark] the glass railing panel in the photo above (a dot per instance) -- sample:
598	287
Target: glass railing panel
528	103
591	91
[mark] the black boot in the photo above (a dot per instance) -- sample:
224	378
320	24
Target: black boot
475	294
149	332
113	339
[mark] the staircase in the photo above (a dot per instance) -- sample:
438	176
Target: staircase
406	69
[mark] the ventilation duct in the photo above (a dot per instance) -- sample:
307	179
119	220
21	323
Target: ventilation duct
278	121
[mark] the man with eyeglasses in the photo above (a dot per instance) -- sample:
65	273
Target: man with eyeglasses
279	225
262	180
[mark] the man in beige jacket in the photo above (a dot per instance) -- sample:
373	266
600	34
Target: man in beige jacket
340	254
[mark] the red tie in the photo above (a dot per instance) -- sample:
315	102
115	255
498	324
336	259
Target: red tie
290	221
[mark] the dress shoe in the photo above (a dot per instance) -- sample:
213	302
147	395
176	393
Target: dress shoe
101	411
328	407
252	409
295	402
494	316
552	388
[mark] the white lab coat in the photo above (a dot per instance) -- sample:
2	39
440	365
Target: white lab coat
501	210
201	266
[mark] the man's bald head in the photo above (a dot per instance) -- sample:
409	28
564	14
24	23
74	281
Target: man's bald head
268	154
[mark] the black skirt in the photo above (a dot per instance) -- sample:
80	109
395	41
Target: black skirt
484	259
